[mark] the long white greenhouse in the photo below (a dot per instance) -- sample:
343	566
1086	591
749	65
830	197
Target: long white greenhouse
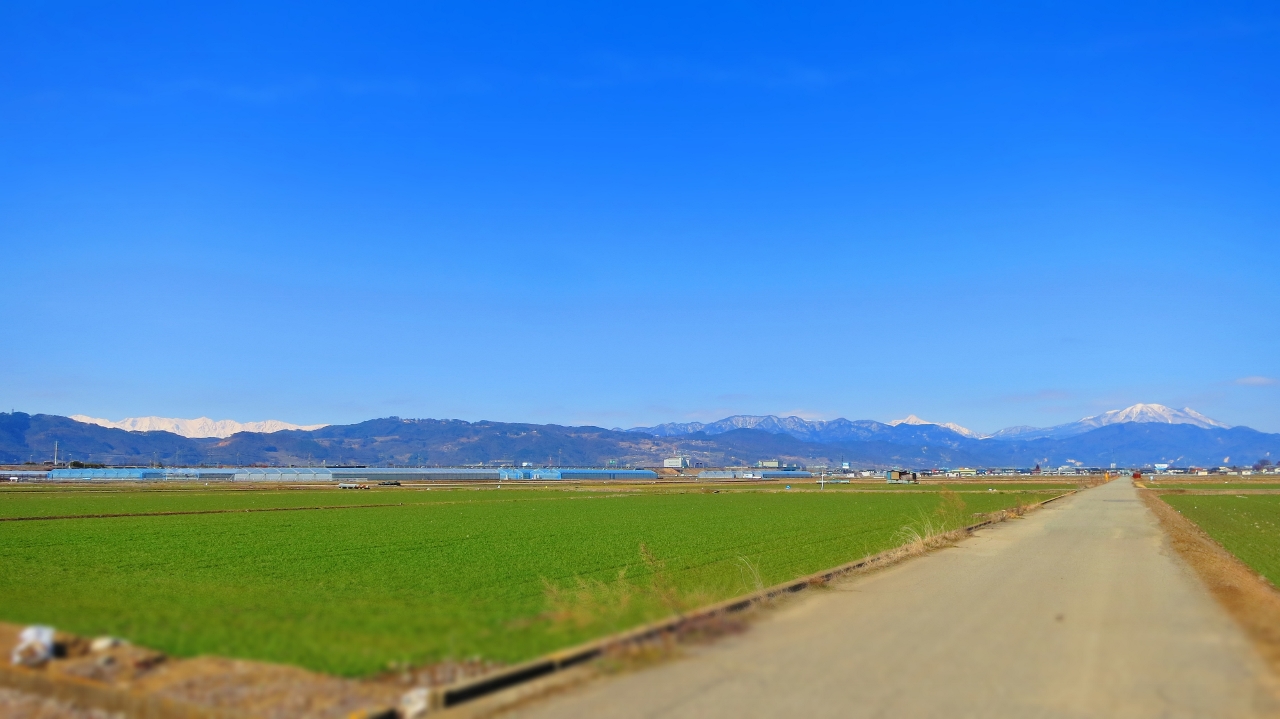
335	474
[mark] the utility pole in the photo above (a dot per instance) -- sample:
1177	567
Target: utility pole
55	454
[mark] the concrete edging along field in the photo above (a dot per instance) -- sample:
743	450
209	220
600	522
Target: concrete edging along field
512	678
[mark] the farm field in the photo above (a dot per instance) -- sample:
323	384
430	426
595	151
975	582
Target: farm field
1248	526
998	485
1215	486
77	501
81	500
503	575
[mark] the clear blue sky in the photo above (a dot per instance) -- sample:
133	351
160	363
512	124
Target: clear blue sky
993	214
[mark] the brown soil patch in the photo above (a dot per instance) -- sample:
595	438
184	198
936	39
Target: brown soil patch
1251	600
127	680
21	705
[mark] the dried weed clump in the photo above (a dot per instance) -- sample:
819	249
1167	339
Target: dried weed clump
940	530
1094	480
588	601
595	603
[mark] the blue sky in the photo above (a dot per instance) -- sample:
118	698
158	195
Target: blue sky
1019	213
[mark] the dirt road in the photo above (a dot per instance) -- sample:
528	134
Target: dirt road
1078	610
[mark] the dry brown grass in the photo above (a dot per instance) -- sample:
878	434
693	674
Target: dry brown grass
588	601
929	533
20	705
1093	480
1253	602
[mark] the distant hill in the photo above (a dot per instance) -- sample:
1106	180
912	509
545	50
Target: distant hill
733	441
380	441
911	431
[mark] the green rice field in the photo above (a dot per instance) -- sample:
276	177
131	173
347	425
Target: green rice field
504	575
1216	486
61	502
1247	525
998	485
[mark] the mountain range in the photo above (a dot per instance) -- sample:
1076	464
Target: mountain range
1135	436
199	427
842	429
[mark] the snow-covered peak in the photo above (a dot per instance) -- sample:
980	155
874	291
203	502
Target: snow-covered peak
965	431
194	428
1152	413
1139	413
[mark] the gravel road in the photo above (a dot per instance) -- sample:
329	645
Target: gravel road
1078	610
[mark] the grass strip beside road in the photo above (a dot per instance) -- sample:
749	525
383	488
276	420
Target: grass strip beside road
1247	526
1210	486
503	576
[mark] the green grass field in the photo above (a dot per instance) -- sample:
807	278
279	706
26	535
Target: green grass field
500	574
999	486
1248	526
1217	486
76	500
63	502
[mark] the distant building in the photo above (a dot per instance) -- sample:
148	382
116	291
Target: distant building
753	474
769	464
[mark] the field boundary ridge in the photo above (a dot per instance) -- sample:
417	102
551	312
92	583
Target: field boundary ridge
1251	600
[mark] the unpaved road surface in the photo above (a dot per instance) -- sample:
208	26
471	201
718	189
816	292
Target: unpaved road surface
1078	610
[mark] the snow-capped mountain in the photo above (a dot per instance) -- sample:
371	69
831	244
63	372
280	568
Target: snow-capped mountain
963	431
1138	413
795	426
194	428
1152	413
